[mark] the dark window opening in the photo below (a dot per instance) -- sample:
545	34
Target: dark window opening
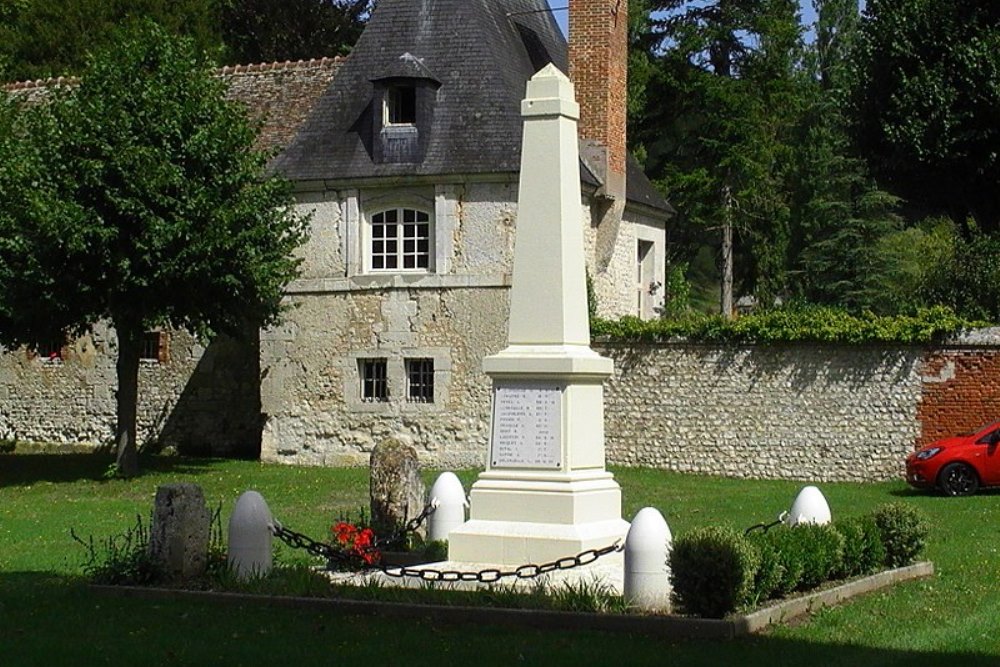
420	380
400	105
154	347
50	350
374	380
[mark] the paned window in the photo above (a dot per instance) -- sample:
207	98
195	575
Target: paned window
374	380
420	380
401	240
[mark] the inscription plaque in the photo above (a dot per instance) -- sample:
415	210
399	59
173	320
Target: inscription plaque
527	426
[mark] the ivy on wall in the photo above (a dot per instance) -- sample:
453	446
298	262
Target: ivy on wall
812	324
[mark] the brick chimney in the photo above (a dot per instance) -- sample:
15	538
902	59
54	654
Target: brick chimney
598	66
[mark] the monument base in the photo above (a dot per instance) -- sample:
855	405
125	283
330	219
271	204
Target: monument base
518	519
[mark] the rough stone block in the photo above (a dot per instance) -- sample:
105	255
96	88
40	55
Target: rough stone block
397	491
178	540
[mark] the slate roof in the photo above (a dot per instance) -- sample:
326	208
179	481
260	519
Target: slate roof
481	52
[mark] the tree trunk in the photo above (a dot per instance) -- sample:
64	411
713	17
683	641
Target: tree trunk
127	366
726	305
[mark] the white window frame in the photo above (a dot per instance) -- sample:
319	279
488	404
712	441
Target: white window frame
400	241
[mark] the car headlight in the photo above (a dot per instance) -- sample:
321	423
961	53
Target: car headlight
925	454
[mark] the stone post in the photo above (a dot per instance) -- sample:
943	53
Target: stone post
178	541
396	489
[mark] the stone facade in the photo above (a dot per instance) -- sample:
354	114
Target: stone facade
824	413
456	314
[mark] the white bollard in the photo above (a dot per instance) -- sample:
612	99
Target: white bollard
250	536
647	575
448	498
810	506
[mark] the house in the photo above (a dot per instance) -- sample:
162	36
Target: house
406	154
409	165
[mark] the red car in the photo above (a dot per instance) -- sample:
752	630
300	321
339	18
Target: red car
960	465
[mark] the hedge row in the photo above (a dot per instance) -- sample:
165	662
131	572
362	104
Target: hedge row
816	324
716	570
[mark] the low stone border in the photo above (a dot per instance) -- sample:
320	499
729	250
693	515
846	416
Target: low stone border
670	627
807	604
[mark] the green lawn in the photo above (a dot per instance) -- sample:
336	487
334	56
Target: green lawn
48	617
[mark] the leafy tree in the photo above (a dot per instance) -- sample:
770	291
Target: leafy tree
723	101
270	30
42	38
926	103
145	204
838	214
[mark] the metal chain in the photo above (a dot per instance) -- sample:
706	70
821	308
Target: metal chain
528	571
764	527
410	526
353	559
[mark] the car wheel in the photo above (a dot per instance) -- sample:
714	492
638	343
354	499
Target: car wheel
958	479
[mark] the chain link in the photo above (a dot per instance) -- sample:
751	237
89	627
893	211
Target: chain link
410	526
491	575
764	527
528	571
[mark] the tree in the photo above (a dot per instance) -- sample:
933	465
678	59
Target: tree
270	30
838	215
926	106
43	39
145	204
721	105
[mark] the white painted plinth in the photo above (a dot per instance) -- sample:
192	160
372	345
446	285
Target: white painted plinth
536	518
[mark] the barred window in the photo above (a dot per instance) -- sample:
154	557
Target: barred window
401	240
374	380
420	380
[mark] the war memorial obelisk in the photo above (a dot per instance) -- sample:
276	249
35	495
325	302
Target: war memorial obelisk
545	493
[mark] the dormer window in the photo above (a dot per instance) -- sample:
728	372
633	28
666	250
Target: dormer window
400	105
402	109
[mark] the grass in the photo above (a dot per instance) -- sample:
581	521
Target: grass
48	616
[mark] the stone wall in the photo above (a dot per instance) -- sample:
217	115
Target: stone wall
826	413
198	399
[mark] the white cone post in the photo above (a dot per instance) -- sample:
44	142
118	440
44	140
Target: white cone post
250	552
545	493
647	575
447	497
810	506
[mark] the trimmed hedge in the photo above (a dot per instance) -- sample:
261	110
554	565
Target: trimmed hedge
717	570
712	571
904	533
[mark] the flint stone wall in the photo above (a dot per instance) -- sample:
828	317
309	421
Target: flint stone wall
817	412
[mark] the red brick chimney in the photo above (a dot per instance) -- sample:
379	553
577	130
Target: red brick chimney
598	66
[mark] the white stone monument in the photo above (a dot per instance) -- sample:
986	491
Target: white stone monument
545	493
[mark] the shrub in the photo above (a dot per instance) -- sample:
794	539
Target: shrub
821	550
712	571
771	570
863	550
903	530
784	544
